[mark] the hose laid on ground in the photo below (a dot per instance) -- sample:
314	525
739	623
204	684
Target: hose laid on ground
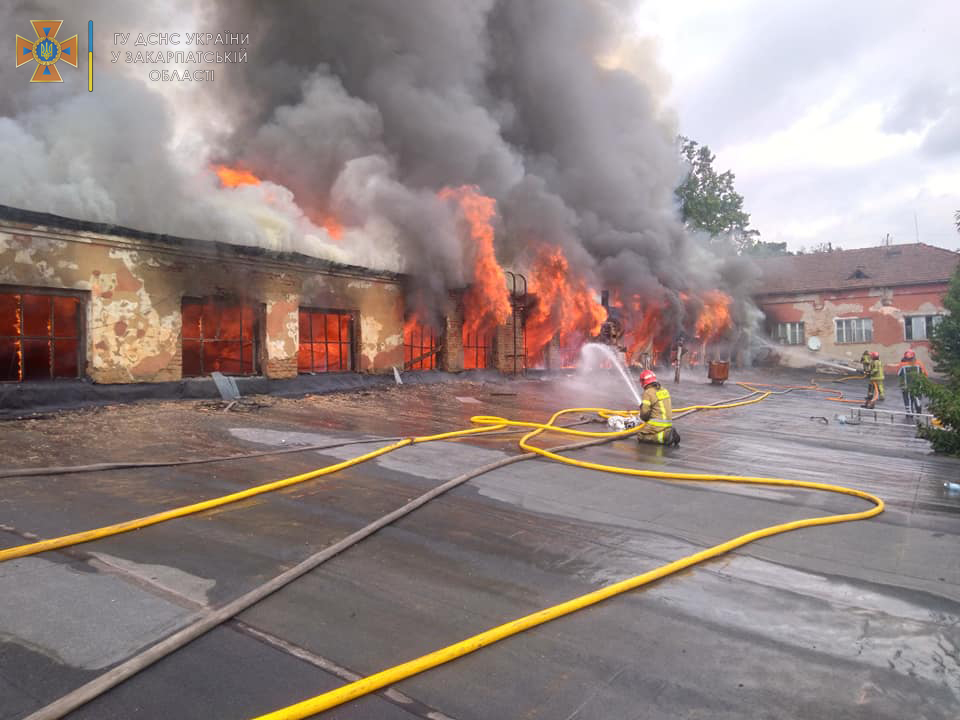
40	546
93	689
96	687
19	551
100	467
405	670
837	395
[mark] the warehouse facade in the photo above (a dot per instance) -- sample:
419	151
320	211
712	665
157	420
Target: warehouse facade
115	305
118	306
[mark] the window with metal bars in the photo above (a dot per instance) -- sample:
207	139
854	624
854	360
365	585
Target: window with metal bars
40	336
476	349
219	335
326	341
420	344
536	359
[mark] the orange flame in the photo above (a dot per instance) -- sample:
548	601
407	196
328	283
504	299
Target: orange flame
645	329
17	328
642	324
333	226
231	177
234	177
566	306
714	318
419	342
409	325
487	301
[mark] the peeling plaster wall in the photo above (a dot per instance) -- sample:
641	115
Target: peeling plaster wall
135	290
379	306
887	307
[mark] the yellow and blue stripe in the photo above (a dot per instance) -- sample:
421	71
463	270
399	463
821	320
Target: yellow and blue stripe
90	56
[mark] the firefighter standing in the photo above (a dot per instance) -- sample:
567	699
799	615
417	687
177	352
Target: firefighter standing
865	362
909	370
874	381
656	411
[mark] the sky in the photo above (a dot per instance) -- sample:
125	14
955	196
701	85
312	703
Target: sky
839	118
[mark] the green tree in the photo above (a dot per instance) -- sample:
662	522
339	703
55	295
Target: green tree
821	247
709	202
761	248
945	398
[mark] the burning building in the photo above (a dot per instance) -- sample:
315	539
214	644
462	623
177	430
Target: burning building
116	305
422	185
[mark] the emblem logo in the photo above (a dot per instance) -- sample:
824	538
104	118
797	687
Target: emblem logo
46	50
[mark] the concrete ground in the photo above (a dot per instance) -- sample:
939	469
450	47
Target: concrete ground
856	620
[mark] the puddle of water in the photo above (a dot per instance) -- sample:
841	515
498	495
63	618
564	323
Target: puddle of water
434	461
82	619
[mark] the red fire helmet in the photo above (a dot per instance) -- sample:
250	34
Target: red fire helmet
875	355
647	377
909	355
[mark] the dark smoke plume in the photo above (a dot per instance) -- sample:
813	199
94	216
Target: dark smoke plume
363	110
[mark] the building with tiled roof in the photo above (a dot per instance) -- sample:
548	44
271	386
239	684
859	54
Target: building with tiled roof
834	305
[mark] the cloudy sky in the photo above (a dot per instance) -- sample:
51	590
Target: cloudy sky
840	118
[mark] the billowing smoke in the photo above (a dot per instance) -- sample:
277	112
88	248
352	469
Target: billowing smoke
363	111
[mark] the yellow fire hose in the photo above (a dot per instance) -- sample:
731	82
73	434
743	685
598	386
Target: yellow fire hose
405	670
40	546
63	541
489	424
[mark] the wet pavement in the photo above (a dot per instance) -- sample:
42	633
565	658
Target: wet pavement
856	620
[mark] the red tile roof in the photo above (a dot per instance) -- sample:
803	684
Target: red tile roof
883	266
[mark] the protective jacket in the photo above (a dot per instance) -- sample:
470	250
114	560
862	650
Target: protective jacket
876	370
865	362
908	371
656	408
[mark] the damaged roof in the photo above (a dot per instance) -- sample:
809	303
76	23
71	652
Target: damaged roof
39	220
885	266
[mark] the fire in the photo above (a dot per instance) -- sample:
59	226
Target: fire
235	177
642	324
409	325
647	328
566	306
420	343
231	177
487	301
714	318
333	226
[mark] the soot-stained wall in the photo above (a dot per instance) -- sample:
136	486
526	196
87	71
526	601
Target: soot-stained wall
133	289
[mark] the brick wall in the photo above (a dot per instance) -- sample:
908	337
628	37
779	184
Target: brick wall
888	309
134	291
509	343
451	357
282	368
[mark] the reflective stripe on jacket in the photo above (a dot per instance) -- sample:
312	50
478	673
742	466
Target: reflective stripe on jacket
910	371
660	407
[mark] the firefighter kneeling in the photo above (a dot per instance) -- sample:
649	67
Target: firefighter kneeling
657	413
